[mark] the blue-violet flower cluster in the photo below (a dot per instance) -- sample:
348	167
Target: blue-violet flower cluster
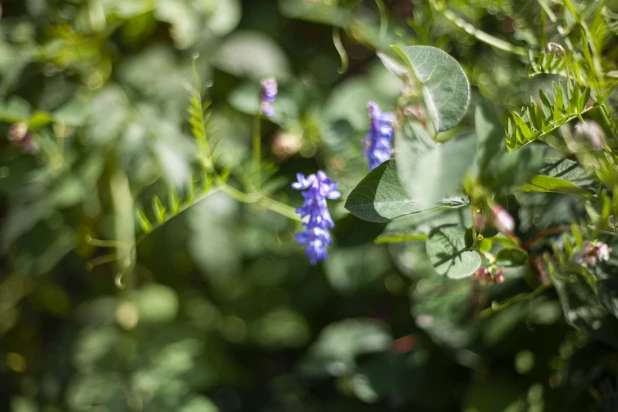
317	188
377	142
268	93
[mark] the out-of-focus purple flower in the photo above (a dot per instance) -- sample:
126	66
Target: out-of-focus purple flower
593	252
317	188
503	221
268	93
377	142
20	136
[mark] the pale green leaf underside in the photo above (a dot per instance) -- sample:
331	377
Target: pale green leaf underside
445	88
432	172
446	248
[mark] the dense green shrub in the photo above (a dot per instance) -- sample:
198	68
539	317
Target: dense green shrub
150	255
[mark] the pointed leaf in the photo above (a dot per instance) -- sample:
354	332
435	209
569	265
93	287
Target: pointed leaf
542	183
158	209
144	222
381	196
173	201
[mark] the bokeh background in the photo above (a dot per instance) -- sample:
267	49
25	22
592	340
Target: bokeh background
221	310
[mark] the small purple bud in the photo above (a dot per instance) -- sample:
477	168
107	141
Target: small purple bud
317	188
268	93
377	142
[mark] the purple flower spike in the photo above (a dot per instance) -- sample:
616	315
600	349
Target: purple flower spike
377	142
268	92
317	188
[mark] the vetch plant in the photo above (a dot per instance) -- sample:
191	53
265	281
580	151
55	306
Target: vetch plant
268	93
490	185
317	188
377	144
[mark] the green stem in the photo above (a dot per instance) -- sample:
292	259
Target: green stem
258	198
341	50
383	19
181	209
521	297
124	228
479	34
257	150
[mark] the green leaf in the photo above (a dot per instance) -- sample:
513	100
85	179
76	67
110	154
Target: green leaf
339	343
490	134
158	209
447	249
144	222
380	196
584	310
540	183
432	172
73	113
511	258
417	226
39	119
156	303
444	84
508	171
173	200
569	170
252	54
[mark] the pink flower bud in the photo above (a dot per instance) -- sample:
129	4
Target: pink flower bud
499	277
20	136
503	221
593	252
602	251
18	132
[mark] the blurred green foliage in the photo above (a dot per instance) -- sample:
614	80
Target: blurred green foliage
217	309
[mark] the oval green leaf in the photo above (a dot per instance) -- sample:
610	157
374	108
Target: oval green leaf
448	252
444	84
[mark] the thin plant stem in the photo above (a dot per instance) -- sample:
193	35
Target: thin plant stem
258	198
383	19
341	50
124	230
479	34
257	150
521	297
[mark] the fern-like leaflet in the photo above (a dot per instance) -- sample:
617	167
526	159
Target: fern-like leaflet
555	109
